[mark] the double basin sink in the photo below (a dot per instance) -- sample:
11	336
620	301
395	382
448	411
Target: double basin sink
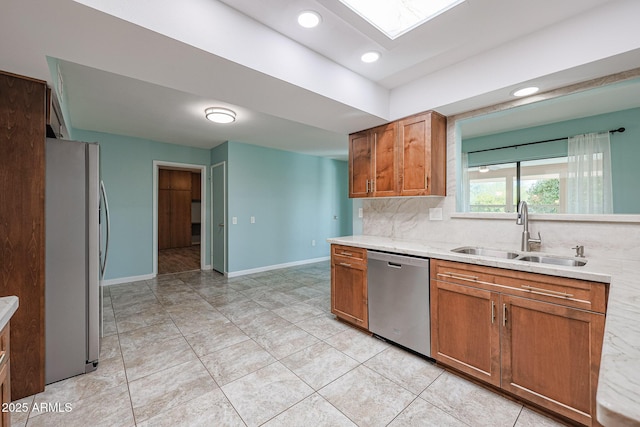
540	259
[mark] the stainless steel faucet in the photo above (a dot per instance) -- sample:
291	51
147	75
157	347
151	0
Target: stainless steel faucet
523	219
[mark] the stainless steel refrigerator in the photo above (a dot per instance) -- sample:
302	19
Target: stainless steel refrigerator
76	214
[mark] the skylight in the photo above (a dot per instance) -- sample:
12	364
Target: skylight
396	17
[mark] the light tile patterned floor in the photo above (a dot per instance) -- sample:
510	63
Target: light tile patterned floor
198	349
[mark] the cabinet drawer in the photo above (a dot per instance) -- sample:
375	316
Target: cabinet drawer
590	296
348	253
460	273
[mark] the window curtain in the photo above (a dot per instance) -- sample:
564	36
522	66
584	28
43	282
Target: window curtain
589	187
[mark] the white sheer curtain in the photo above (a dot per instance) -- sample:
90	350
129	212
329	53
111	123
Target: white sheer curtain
589	188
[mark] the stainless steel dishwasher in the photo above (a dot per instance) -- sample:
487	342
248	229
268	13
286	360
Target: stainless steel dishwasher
399	299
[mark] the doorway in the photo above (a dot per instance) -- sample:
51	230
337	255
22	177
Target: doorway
178	217
218	217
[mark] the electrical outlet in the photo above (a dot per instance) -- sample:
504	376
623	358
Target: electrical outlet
234	220
360	213
313	243
253	220
435	214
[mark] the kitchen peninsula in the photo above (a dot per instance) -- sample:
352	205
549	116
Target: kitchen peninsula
618	402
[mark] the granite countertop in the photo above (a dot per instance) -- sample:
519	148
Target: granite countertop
8	306
618	396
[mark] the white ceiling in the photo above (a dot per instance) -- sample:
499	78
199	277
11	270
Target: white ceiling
149	68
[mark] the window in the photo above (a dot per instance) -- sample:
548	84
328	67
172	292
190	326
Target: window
541	183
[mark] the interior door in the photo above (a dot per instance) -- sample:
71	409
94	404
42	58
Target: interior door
218	217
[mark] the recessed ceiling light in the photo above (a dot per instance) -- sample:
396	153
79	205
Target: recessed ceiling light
369	57
309	19
220	115
526	91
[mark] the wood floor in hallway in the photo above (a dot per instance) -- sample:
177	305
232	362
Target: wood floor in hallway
176	260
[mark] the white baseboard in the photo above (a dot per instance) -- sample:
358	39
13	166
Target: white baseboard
120	280
276	266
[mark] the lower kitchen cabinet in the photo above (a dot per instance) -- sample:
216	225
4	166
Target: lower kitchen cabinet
349	285
5	378
536	337
460	333
551	355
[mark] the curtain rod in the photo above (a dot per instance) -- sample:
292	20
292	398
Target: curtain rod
536	142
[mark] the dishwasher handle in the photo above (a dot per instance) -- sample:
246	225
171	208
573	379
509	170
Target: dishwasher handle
397	261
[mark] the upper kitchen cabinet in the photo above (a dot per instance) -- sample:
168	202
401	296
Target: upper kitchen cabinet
373	162
423	155
403	158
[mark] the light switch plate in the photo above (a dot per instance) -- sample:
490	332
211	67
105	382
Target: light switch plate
435	214
360	213
234	220
253	220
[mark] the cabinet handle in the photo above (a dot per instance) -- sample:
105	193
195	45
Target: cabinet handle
546	291
367	187
344	264
493	312
373	186
346	253
504	315
426	182
2	356
458	276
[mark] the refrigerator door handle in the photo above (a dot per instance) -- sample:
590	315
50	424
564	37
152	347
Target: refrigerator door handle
103	261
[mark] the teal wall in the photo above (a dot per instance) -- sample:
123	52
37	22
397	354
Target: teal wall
625	150
293	198
127	171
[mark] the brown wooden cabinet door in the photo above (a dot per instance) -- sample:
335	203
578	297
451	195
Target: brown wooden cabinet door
164	219
180	218
385	161
359	164
551	355
164	179
465	330
180	180
196	186
422	140
349	292
5	395
5	377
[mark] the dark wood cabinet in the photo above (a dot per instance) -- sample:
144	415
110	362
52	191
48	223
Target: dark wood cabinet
22	224
196	187
174	209
536	337
349	285
402	158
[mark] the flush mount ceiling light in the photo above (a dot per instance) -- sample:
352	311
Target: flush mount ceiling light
526	91
220	115
483	169
396	17
371	56
309	19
